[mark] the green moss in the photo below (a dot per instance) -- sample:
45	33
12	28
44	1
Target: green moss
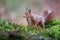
52	30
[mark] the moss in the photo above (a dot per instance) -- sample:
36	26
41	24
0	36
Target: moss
52	31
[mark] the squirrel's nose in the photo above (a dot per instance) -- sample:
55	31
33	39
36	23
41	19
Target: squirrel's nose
24	16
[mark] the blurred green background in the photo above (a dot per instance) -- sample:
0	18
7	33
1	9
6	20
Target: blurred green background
14	9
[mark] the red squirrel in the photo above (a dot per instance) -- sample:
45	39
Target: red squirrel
38	20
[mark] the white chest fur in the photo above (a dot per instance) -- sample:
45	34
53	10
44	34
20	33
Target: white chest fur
29	21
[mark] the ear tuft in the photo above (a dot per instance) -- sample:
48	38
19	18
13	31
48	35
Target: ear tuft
28	10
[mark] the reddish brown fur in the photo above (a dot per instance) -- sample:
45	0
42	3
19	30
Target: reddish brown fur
48	19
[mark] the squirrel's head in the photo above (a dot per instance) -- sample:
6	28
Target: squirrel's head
27	12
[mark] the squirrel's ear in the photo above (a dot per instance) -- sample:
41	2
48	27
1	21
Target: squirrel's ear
28	10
